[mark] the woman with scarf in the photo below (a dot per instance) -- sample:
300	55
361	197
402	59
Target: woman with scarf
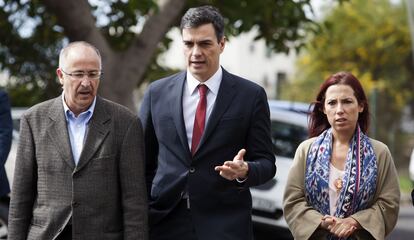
342	184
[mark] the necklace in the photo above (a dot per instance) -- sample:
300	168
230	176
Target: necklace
338	183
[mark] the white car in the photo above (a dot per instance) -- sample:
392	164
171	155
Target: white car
289	129
16	114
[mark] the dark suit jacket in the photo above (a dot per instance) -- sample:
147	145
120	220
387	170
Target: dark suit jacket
6	130
104	195
240	119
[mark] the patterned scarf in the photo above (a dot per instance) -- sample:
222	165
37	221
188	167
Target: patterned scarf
359	181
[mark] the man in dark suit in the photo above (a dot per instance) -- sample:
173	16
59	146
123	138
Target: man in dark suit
6	131
207	135
79	167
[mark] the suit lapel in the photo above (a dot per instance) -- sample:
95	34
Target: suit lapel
224	98
58	131
176	106
97	132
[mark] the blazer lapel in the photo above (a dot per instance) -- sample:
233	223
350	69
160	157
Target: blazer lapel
96	133
224	98
176	106
58	131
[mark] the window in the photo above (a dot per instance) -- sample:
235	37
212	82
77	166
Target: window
286	137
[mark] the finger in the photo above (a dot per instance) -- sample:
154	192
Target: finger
334	231
347	233
222	168
223	174
334	227
331	226
330	221
351	231
228	163
340	229
340	232
226	171
324	224
240	155
227	175
235	165
327	217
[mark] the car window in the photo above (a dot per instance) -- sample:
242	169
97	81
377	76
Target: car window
286	137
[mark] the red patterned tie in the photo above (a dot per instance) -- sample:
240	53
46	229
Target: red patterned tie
200	118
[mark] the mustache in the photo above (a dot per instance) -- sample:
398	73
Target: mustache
85	89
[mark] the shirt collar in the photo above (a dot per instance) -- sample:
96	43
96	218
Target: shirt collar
213	83
70	114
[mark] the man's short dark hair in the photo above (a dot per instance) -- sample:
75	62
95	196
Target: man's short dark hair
195	17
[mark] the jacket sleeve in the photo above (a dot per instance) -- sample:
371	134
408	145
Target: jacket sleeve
303	220
24	184
134	194
260	156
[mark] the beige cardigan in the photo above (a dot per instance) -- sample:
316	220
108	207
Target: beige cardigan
376	221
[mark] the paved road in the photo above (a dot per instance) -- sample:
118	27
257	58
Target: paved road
403	231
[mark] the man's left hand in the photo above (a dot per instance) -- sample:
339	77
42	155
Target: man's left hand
236	169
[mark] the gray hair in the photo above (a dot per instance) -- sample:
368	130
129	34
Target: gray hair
195	17
64	52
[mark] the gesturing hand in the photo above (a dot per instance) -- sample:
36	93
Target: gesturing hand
236	169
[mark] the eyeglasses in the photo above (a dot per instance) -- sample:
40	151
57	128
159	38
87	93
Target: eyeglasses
78	75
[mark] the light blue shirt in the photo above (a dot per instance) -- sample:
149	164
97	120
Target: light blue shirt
77	128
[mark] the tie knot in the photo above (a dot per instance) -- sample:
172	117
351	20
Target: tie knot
202	89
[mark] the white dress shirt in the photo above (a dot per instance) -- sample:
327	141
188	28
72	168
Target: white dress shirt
191	98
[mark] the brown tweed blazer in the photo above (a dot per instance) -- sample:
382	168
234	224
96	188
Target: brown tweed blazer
103	197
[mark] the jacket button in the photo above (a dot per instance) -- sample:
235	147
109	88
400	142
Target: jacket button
75	204
192	170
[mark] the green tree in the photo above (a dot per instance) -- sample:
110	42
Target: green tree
129	35
370	39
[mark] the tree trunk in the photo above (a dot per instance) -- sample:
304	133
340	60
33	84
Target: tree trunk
123	71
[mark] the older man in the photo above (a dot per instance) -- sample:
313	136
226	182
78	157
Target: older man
79	168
